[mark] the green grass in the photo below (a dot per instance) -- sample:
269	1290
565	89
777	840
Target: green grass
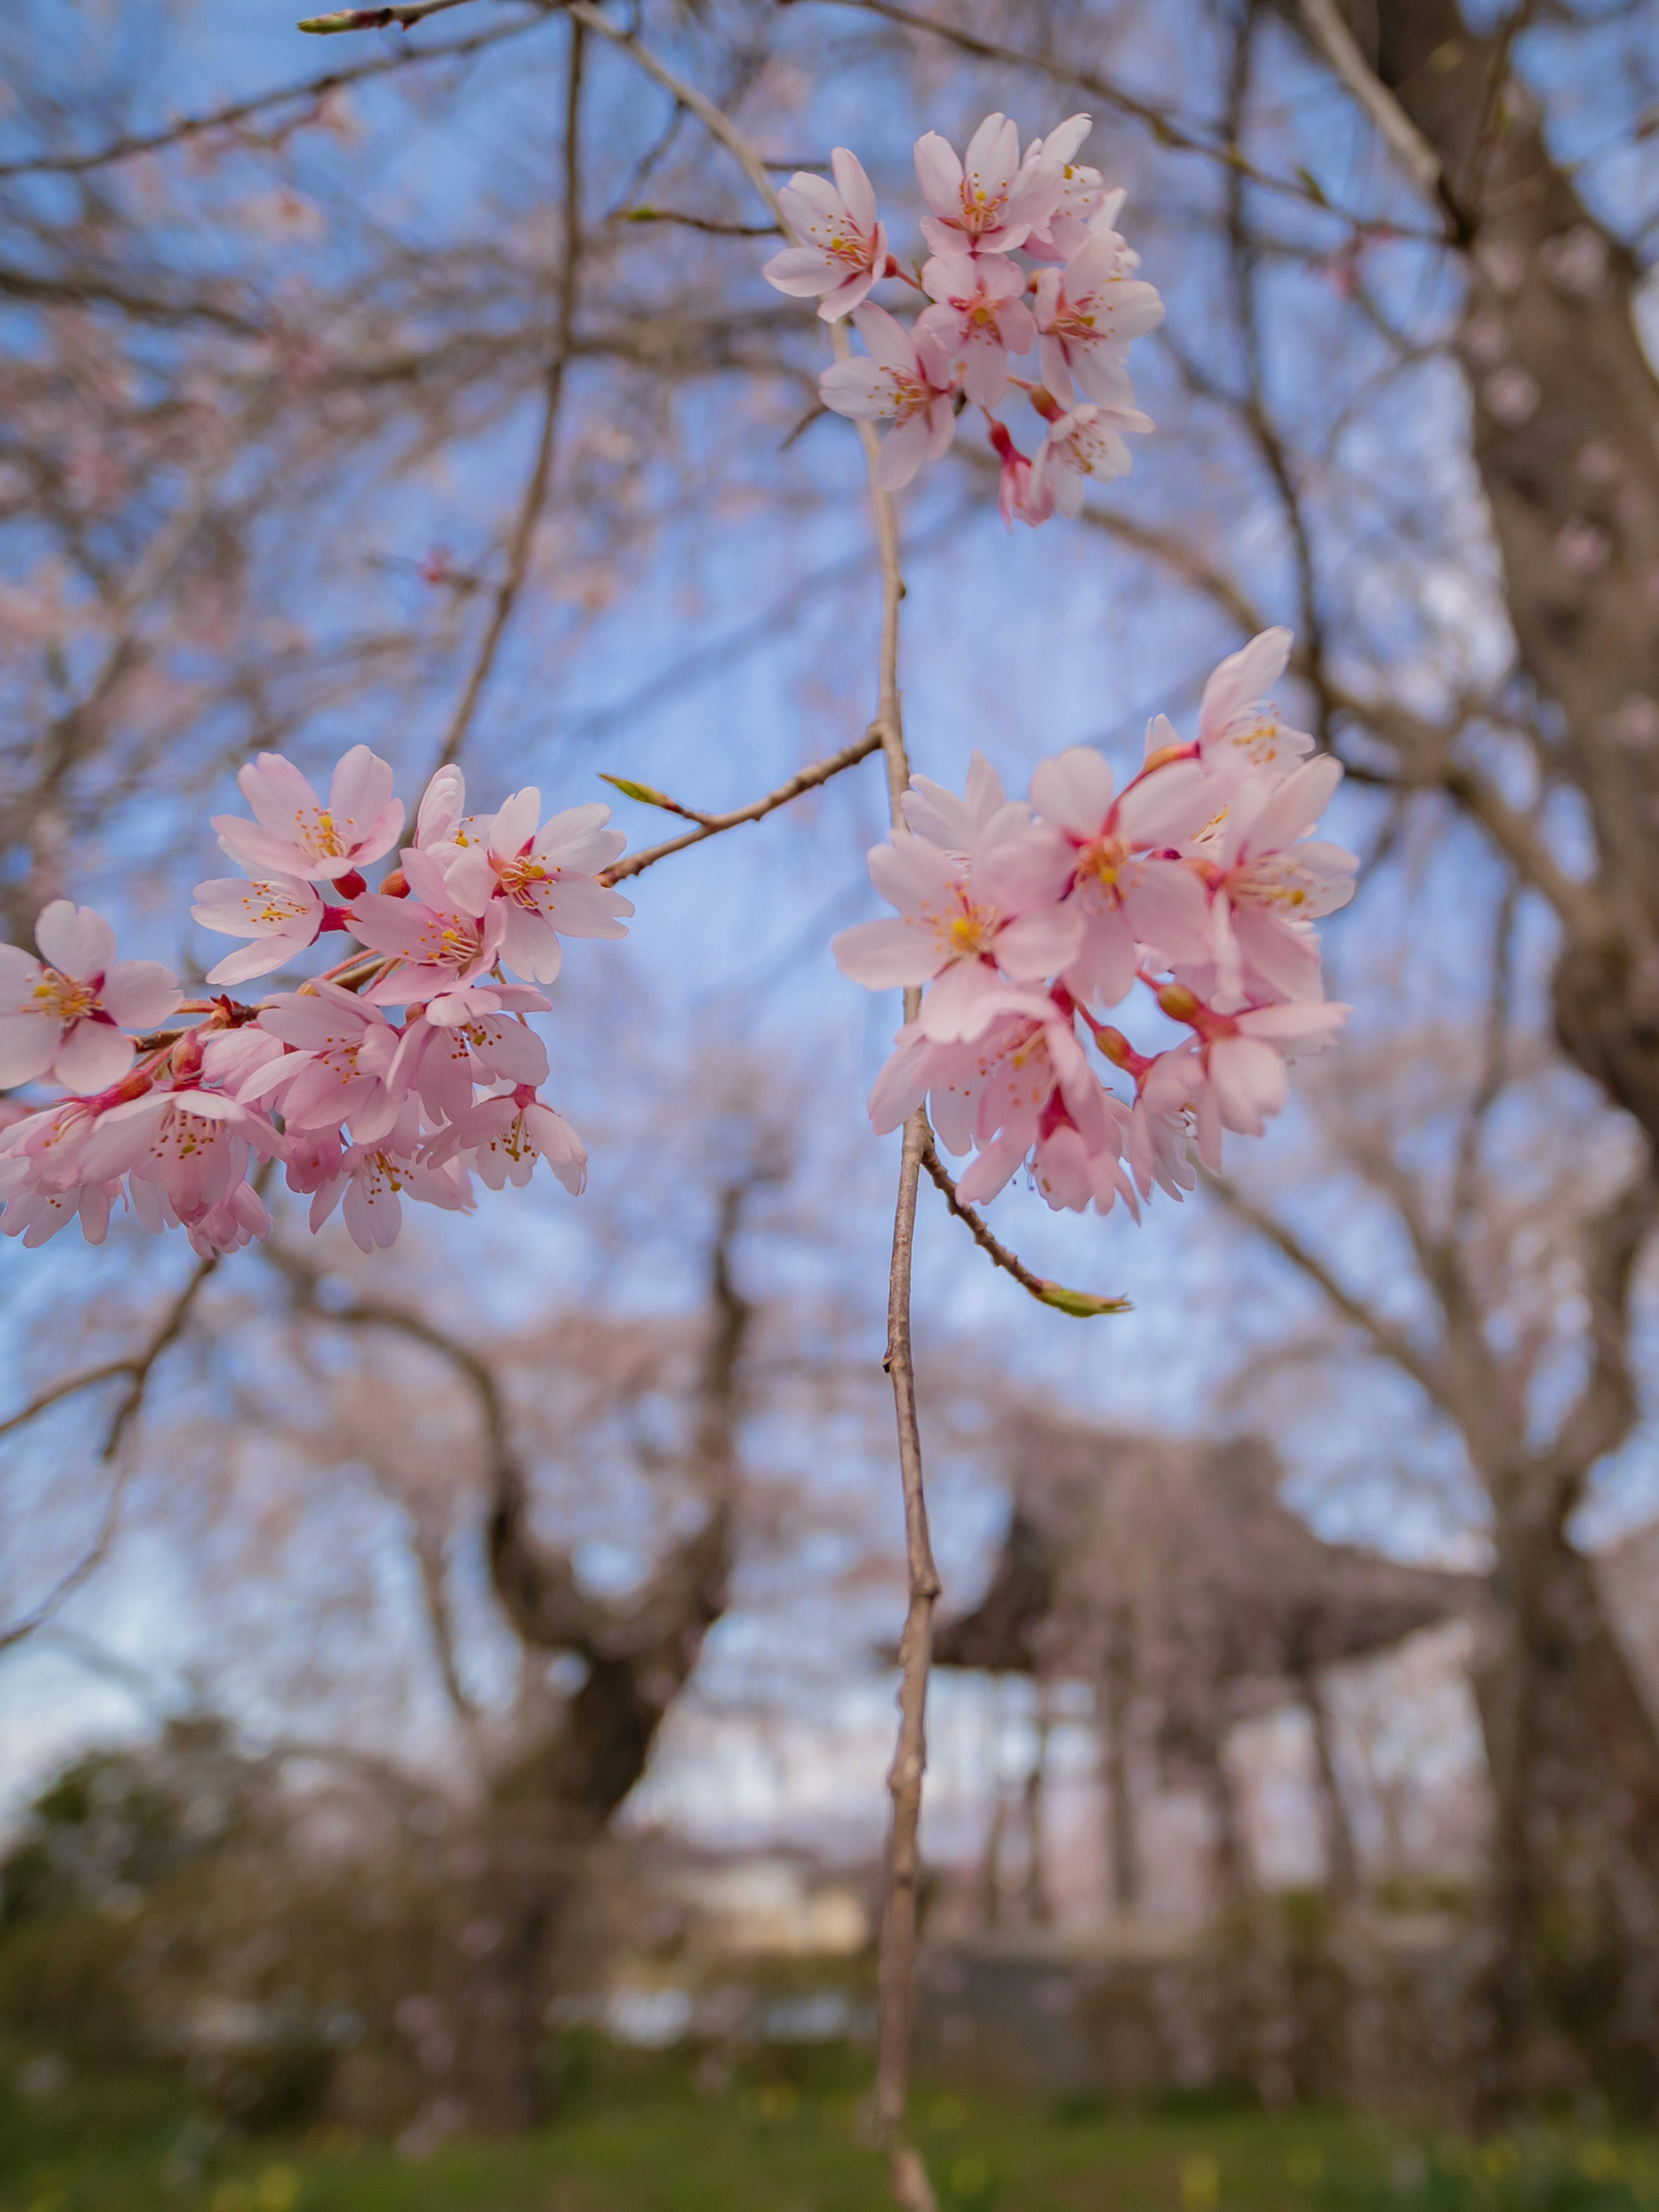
638	2137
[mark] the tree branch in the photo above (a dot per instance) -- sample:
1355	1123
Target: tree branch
1423	1370
138	1370
315	89
1333	39
1080	1303
541	472
1158	120
711	825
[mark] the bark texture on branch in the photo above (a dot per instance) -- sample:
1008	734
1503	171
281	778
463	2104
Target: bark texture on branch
1566	431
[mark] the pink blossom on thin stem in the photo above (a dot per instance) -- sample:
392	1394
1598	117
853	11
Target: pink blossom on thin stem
1086	442
1083	201
845	247
977	320
1088	312
966	925
61	1015
339	1067
294	833
905	380
1240	731
501	1139
987	204
467	1036
541	881
434	941
1129	886
283	914
1014	496
1270	883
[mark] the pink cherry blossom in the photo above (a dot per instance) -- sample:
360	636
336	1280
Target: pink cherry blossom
36	1215
60	1015
1269	884
956	825
845	247
1244	1059
184	1149
541	881
1240	730
1088	312
1084	199
340	1067
1129	887
43	1179
294	833
989	203
501	1139
1014	497
436	940
978	319
282	913
441	807
1159	1143
468	1037
905	380
1041	1092
960	921
1086	442
368	1183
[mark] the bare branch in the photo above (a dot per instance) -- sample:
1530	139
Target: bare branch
1159	121
1607	1408
541	471
711	825
1080	1303
314	89
375	19
1426	1372
138	1371
1332	36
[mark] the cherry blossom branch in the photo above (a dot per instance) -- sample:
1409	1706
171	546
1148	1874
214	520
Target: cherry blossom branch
137	1369
1083	1303
541	472
711	825
896	1963
315	89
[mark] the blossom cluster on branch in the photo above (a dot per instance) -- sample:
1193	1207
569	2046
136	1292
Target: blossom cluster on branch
1077	308
1199	880
361	1109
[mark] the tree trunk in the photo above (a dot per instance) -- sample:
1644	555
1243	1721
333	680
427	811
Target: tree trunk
1341	1858
1567	441
1114	1695
1574	1761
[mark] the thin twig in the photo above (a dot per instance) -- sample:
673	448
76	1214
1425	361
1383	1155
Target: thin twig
224	119
1254	409
710	223
375	19
1159	121
1399	133
711	825
896	1965
138	1370
1083	1303
541	472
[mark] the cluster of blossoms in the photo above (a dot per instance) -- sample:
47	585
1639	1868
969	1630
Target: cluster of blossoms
361	1109
1024	920
1077	309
